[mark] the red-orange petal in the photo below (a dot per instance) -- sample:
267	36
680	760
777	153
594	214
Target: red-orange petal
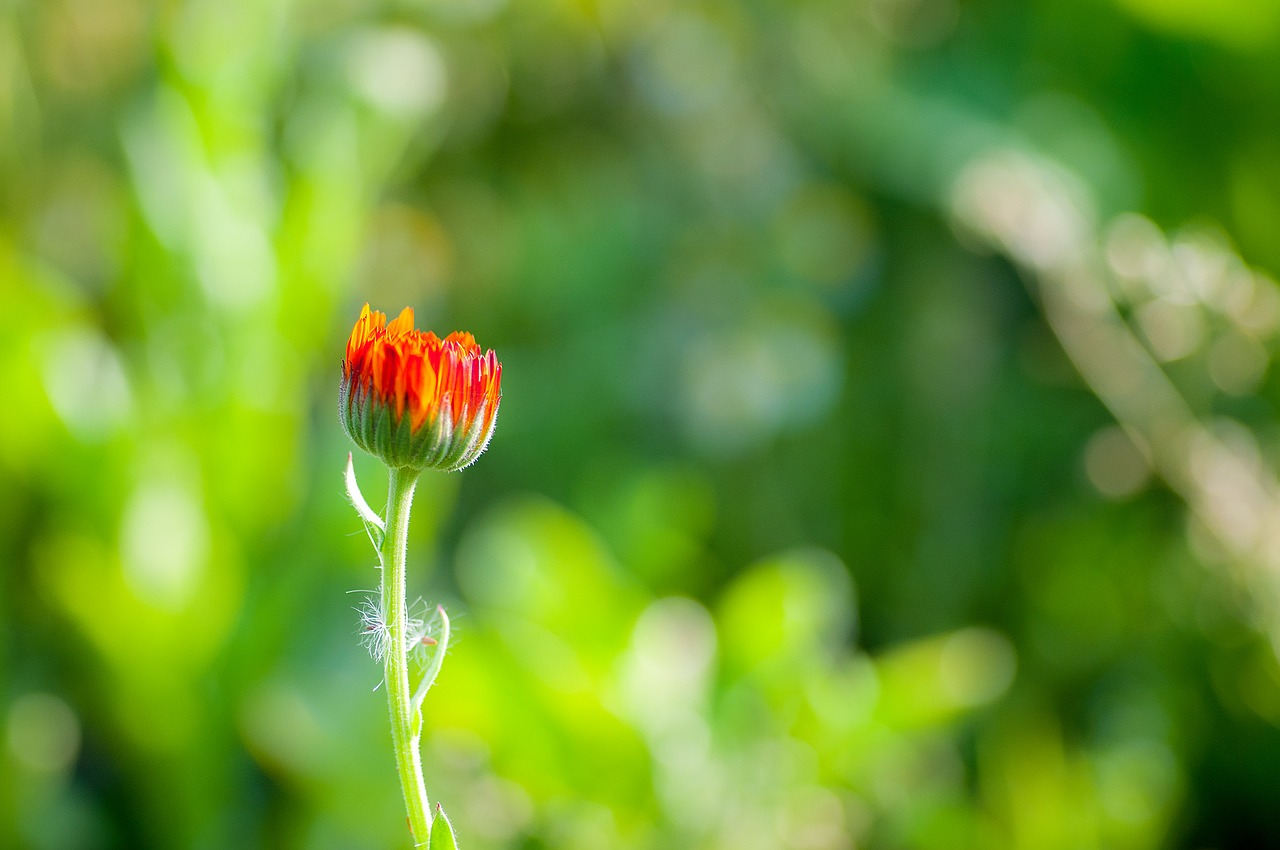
417	378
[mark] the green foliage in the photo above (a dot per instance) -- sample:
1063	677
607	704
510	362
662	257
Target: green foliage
886	456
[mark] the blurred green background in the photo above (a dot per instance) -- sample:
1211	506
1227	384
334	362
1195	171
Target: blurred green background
886	457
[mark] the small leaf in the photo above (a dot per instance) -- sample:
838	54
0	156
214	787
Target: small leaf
372	522
441	832
437	659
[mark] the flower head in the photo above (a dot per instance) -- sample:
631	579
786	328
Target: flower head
414	400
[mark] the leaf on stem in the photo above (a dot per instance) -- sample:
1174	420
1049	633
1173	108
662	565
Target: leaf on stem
435	662
373	523
441	832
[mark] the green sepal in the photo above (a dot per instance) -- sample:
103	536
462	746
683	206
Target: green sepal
442	438
401	447
441	832
439	443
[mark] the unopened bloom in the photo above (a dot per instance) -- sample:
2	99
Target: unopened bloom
414	400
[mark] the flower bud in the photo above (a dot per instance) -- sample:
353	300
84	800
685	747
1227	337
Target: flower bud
414	400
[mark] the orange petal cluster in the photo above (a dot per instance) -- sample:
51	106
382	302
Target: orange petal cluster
419	378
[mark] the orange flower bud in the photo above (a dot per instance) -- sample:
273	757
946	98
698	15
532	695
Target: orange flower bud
414	400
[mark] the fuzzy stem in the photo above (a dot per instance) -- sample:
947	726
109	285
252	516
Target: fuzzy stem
405	731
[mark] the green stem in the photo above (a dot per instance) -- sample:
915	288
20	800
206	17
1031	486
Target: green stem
405	730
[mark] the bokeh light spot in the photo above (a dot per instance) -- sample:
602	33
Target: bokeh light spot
43	732
1114	464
